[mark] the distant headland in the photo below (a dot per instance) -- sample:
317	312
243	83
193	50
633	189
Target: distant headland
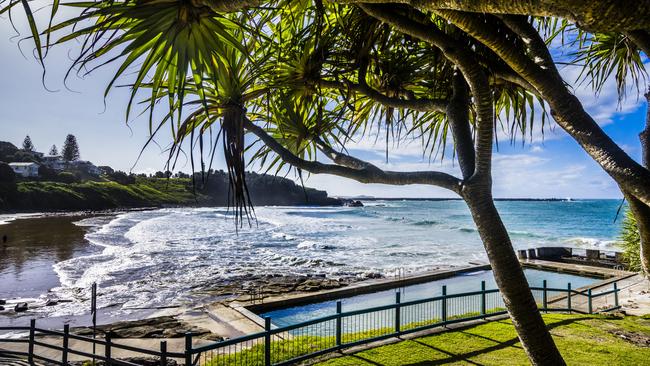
31	181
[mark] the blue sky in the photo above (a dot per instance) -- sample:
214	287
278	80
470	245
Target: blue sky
551	167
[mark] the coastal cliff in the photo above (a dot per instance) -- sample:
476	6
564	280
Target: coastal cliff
102	194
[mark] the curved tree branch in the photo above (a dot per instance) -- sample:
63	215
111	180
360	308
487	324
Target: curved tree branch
565	107
422	105
601	15
369	174
458	116
341	158
476	78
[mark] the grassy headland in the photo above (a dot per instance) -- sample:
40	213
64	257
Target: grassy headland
105	194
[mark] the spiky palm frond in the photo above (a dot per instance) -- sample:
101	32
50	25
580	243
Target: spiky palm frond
163	40
6	6
518	112
606	56
267	64
629	240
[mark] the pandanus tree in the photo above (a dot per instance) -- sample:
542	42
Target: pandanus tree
307	78
613	50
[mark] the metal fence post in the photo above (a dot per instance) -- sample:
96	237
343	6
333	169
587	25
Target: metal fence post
32	331
339	308
483	310
163	353
107	349
544	296
568	287
188	349
444	303
615	294
397	312
590	306
267	341
64	352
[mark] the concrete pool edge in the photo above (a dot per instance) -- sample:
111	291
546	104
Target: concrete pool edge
359	288
251	309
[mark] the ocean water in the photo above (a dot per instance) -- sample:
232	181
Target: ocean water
171	257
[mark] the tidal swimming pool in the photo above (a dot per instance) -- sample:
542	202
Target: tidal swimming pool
464	282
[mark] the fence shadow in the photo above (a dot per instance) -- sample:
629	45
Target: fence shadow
467	356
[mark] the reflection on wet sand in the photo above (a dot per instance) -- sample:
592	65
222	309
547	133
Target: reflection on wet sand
32	246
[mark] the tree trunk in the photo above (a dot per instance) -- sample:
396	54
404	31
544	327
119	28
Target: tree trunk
641	213
644	136
640	210
535	338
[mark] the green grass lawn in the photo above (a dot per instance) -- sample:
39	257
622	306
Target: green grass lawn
582	340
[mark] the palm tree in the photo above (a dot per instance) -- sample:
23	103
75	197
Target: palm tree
307	78
617	56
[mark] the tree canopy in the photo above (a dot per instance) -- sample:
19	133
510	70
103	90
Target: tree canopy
304	79
27	144
70	149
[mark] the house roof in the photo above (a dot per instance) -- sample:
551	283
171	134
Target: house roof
22	164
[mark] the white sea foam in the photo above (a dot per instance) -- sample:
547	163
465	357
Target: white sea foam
168	257
587	243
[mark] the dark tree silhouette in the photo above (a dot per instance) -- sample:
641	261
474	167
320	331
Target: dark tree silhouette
27	144
70	149
54	151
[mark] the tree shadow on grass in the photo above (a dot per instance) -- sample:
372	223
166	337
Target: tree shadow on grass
466	357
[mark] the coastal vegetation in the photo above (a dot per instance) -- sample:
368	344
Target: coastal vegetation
307	78
630	242
121	190
70	151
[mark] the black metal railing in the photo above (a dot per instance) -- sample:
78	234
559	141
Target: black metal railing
297	342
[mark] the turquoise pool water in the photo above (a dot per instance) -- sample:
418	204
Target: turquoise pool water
466	282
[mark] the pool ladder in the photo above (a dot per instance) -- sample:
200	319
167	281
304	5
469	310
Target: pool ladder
256	295
400	275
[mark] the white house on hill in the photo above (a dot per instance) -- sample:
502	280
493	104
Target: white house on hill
25	169
55	162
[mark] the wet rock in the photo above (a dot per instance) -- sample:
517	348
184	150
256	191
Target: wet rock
160	327
253	288
354	203
2	308
51	302
20	307
3	302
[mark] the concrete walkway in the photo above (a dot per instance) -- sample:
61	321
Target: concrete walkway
635	295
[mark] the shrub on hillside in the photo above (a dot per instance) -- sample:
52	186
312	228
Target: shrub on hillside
67	177
121	177
46	173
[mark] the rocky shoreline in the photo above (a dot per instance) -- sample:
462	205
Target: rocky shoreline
157	327
173	326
